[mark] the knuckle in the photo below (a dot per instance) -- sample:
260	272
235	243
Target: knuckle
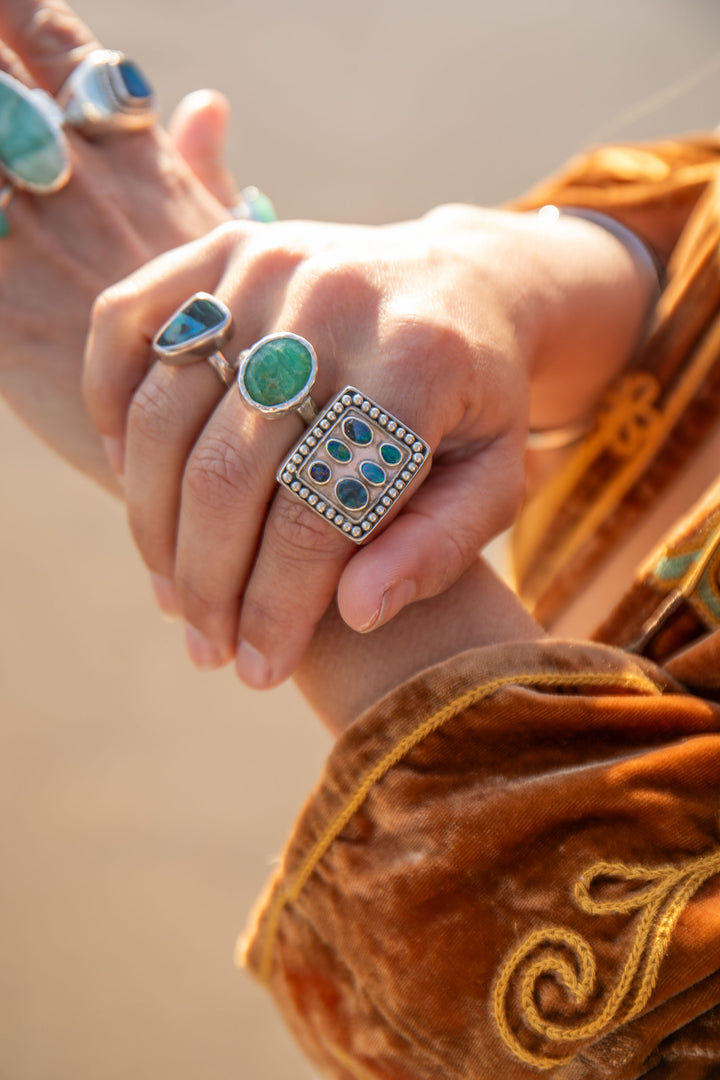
217	473
301	534
151	415
53	32
334	284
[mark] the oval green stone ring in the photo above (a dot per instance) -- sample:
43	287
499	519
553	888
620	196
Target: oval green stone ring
276	376
34	152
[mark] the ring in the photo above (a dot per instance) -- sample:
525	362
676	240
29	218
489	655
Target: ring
276	375
34	152
353	465
356	458
107	93
253	205
6	194
195	332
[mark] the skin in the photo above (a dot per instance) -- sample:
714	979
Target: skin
466	324
130	197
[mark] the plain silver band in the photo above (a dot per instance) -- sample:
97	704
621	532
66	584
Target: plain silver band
307	411
226	369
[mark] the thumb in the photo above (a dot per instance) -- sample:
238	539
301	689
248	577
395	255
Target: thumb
198	129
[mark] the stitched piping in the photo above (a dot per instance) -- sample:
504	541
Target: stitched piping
284	896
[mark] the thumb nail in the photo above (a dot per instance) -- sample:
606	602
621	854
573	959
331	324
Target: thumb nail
394	598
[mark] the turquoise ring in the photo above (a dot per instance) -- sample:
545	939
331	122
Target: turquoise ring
107	93
197	331
34	152
276	375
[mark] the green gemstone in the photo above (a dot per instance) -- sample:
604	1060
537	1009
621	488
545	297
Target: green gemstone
31	147
390	454
278	371
4	225
258	205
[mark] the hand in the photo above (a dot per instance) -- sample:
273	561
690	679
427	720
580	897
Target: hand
130	197
444	320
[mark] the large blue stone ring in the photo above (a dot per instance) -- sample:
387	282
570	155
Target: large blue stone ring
107	93
34	152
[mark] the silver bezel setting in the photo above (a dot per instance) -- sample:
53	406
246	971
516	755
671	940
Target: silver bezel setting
291	404
94	98
43	104
200	347
359	525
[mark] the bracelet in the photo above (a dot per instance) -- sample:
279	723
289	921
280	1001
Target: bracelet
568	434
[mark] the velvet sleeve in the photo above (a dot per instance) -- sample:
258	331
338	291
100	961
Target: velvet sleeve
510	867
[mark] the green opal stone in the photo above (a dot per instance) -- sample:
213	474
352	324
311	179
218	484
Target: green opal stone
30	146
278	371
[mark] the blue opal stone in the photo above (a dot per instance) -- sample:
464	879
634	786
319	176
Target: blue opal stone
357	431
373	473
338	450
134	81
351	493
195	319
390	454
319	472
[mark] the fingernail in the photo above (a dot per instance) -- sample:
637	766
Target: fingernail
252	667
394	599
165	595
115	451
202	652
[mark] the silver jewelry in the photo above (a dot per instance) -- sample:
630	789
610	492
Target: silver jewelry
276	375
107	93
253	205
34	152
353	465
196	331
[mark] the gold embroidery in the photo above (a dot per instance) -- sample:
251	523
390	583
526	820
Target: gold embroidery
286	894
662	896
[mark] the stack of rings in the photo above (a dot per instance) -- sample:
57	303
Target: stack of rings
105	94
354	460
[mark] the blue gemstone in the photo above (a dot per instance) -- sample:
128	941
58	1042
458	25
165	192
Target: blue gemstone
319	472
134	81
351	493
338	450
373	473
390	454
195	319
357	431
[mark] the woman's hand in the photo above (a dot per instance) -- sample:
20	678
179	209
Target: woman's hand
445	321
130	197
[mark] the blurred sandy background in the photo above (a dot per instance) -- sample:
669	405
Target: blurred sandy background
141	804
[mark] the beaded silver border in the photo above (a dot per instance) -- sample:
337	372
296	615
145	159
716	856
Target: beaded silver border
358	525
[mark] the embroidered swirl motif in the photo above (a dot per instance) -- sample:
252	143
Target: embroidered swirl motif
702	587
565	956
629	413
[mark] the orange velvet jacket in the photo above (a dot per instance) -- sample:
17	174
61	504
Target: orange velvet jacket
511	864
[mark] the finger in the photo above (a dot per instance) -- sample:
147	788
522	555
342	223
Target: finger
126	317
47	36
450	519
199	128
11	65
228	482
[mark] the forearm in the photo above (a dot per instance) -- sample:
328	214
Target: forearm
344	673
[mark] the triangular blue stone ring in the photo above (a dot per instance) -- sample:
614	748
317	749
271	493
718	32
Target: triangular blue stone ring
106	93
34	152
197	331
